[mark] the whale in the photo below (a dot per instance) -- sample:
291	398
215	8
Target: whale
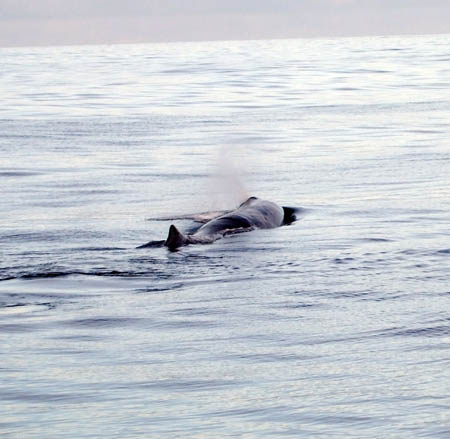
254	213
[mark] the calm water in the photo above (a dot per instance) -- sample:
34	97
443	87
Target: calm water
336	326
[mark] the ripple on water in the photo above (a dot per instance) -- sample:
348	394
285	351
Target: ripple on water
103	322
46	398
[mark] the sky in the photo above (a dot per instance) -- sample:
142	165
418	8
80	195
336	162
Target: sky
60	22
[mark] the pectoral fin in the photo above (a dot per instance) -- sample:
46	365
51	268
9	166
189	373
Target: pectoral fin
290	214
175	239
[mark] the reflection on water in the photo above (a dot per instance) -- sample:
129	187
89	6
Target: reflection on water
334	326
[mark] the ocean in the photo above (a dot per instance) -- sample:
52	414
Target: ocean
337	326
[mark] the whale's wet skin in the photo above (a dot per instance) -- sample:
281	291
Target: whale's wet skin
250	215
337	326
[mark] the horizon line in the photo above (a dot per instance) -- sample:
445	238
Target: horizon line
137	42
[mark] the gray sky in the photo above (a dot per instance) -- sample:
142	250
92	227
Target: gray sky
55	22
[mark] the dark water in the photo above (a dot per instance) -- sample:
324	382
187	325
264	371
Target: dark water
335	326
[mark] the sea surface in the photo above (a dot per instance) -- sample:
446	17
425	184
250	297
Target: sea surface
337	326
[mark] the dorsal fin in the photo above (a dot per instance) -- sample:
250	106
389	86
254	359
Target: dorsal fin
175	238
248	201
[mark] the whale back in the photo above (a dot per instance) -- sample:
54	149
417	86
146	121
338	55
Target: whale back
252	214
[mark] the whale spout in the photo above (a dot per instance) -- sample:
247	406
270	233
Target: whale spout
175	239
